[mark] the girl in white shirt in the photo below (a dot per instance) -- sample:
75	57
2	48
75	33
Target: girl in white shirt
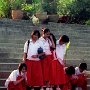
59	76
47	42
17	79
34	69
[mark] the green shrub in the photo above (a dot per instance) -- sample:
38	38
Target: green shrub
29	8
16	4
50	8
88	22
4	8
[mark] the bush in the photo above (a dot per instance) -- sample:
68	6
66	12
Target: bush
4	8
80	10
50	8
88	22
16	4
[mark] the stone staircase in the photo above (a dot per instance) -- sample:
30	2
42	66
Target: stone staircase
13	35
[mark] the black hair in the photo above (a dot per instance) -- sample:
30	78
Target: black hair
35	32
54	39
65	38
46	30
83	66
70	70
21	65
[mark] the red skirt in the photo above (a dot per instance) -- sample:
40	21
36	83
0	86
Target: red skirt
34	73
67	85
46	68
80	82
58	73
19	86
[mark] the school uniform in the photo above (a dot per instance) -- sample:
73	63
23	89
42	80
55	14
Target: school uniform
14	76
46	62
82	80
34	69
58	65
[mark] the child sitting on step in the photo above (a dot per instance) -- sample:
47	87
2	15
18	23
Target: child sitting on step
17	78
69	72
79	81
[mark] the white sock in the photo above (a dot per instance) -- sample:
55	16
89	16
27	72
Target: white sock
58	88
47	88
41	88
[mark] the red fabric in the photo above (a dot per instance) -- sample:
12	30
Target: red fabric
80	82
19	86
67	85
34	73
46	68
58	73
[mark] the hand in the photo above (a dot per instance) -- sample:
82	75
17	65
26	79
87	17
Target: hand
23	61
34	56
74	77
51	37
24	75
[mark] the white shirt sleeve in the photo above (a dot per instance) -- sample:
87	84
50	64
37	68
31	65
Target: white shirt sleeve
12	77
50	43
60	51
77	71
25	47
41	44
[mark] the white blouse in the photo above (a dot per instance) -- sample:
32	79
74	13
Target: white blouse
12	77
60	51
77	71
32	49
46	43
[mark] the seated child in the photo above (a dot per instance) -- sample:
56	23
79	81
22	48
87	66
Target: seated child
81	76
17	78
69	72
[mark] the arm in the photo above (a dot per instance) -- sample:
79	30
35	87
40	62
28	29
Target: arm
24	57
52	41
26	45
18	81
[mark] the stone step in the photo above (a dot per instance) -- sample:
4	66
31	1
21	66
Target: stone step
77	62
19	40
2	82
25	28
69	55
10	60
14	41
73	45
24	31
11	45
11	21
11	65
11	55
4	74
8	66
11	50
82	47
21	37
72	49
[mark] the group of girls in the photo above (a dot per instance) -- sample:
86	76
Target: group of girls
46	71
